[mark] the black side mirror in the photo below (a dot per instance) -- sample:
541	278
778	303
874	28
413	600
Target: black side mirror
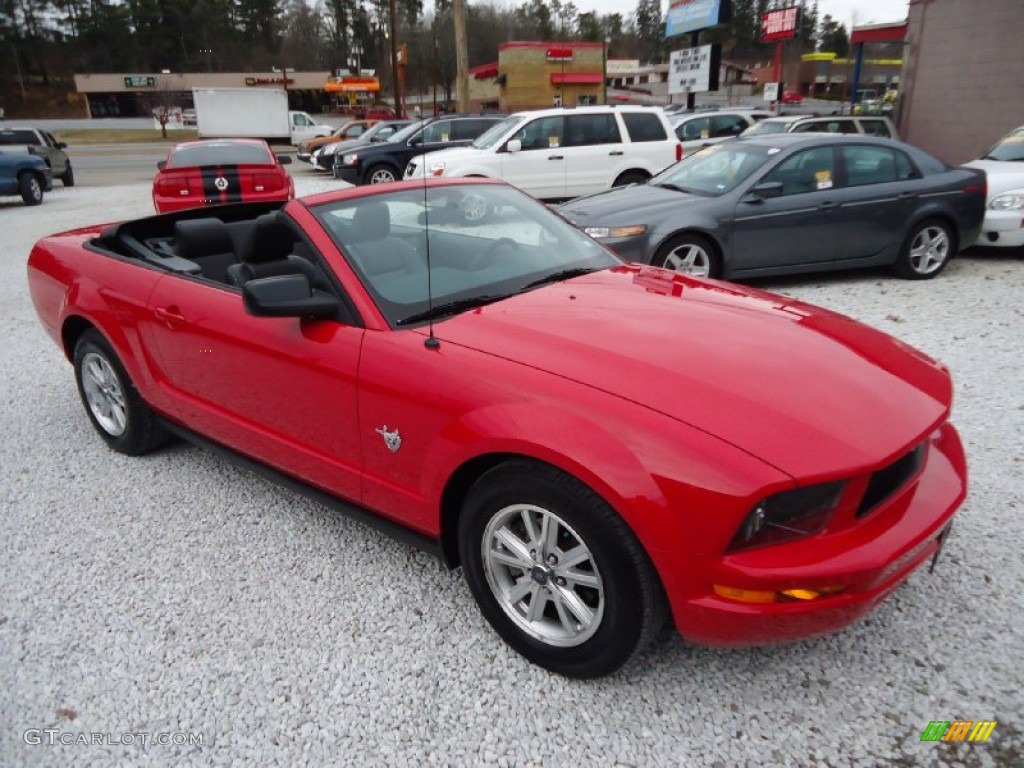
62	145
767	190
416	140
287	296
284	159
161	165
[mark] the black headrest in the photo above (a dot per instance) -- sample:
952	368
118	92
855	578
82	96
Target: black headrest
269	239
371	222
195	238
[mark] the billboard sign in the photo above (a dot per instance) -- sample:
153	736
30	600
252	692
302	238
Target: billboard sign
780	24
694	70
693	15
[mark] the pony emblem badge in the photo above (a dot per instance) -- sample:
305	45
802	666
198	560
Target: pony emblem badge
220	183
393	440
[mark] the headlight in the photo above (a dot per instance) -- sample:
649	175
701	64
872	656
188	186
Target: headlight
788	515
1009	202
632	231
350	159
437	169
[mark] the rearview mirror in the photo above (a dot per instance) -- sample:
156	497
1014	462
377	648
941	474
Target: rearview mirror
514	145
284	159
767	189
287	296
161	165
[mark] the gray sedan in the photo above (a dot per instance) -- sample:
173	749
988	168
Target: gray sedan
779	204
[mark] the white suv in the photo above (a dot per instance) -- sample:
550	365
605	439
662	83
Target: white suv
556	154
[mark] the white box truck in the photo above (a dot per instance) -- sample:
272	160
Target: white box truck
258	113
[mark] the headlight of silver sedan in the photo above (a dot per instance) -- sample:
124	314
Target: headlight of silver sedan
634	230
1013	201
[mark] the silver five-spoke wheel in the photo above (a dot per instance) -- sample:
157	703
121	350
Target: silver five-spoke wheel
543	575
929	250
104	394
690	259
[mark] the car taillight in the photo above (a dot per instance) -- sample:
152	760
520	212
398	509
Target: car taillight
267	182
679	152
788	515
173	186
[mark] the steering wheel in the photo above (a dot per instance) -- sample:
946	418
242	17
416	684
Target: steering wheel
487	256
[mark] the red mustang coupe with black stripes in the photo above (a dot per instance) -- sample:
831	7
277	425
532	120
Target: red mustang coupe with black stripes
198	173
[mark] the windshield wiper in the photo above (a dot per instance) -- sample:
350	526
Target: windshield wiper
565	274
452	308
676	187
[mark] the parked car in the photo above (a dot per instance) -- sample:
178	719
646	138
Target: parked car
385	162
41	143
188	117
597	445
323	158
25	175
786	203
792	97
554	154
881	127
215	171
697	130
1003	164
353	129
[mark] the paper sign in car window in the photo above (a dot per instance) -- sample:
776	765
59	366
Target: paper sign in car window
1015	139
824	179
704	133
444	136
552	141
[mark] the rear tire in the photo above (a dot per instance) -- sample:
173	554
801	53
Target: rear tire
555	570
68	179
113	405
30	188
631	177
927	250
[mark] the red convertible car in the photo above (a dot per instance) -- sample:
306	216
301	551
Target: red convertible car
458	364
211	172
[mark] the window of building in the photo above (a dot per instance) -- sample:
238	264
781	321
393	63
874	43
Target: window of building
586	100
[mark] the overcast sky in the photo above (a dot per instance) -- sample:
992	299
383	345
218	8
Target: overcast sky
867	11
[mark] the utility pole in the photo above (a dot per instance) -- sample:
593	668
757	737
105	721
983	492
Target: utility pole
394	59
461	57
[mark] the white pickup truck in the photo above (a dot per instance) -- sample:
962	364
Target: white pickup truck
42	143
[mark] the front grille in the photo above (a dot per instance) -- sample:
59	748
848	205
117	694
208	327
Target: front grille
886	481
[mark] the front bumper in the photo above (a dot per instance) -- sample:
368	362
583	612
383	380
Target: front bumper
867	561
1002	228
349	173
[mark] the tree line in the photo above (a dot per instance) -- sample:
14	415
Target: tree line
44	40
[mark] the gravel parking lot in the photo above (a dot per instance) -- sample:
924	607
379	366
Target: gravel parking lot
176	594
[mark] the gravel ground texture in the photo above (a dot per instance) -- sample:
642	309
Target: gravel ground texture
178	594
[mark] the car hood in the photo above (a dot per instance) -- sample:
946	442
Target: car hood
806	390
342	146
1001	175
638	203
455	153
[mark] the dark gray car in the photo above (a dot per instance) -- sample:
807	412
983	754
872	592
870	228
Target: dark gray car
790	203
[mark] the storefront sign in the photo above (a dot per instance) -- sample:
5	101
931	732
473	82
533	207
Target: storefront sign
691	15
694	70
559	54
140	81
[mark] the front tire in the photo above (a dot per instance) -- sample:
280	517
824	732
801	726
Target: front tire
30	188
556	571
114	406
381	174
926	251
691	255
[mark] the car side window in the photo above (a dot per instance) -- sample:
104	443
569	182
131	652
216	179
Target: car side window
470	129
810	170
869	165
545	133
441	131
50	140
643	126
693	130
586	130
299	120
726	126
827	126
876	128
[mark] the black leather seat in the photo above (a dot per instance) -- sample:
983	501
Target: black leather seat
207	243
266	250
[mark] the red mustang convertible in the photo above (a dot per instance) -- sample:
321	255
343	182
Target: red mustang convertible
599	445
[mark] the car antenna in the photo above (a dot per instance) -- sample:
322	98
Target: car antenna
431	341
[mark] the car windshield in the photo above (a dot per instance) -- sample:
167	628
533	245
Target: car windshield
486	242
408	131
1010	148
220	153
496	132
714	170
767	126
374	131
